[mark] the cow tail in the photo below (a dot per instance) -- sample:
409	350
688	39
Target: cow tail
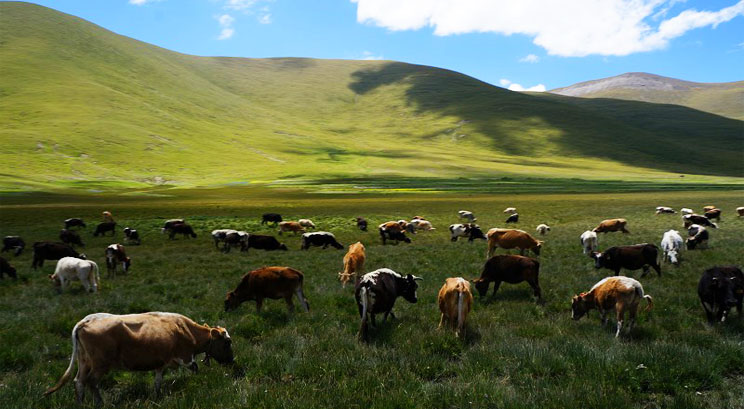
363	329
66	376
650	302
460	312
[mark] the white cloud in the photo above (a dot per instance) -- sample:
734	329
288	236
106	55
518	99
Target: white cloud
370	56
573	28
141	2
511	86
265	18
226	33
240	4
250	7
531	58
504	82
225	21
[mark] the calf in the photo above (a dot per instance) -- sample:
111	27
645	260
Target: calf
698	237
353	263
589	241
45	250
294	227
132	236
181	228
306	223
361	223
686	210
268	282
671	245
13	243
318	239
235	239
740	211
219	235
104	227
262	242
690	219
421	224
628	257
512	238
512	269
393	231
116	254
376	293
470	230
611	225
713	214
665	209
70	237
271	218
74	222
514	218
6	268
455	301
170	223
612	293
464	214
542	229
74	269
510	210
719	289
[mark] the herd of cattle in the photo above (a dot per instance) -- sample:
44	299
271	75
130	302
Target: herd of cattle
101	341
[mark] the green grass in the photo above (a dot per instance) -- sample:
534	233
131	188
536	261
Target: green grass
517	354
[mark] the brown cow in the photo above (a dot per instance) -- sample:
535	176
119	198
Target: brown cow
268	282
512	238
353	263
294	227
152	341
708	208
612	293
713	214
512	269
455	302
611	225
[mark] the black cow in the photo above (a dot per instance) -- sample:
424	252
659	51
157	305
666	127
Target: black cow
376	293
512	269
319	238
13	243
46	250
171	222
628	257
180	228
690	219
132	236
263	242
6	268
721	288
104	227
698	237
514	218
361	223
275	218
74	222
70	237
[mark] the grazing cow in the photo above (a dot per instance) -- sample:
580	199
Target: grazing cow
353	263
361	223
665	209
713	214
306	223
611	225
671	245
418	218
393	231
721	288
152	341
132	236
376	292
628	257
690	219
740	211
170	223
464	214
262	242
70	237
421	224
74	222
13	243
104	227
589	241
115	254
513	218
74	269
271	218
6	268
698	237
512	238
107	217
180	228
268	282
510	210
686	210
320	238
219	235
235	239
708	208
294	227
470	230
612	293
542	229
455	302
46	250
512	269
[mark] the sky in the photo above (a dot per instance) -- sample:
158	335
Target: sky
516	44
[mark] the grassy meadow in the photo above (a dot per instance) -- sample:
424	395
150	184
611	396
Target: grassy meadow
516	354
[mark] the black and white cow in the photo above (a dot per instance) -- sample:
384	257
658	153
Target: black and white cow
264	242
180	228
219	235
513	218
376	292
74	222
70	237
464	214
13	243
170	223
395	231
721	288
690	219
629	257
361	223
6	268
116	254
318	239
275	218
665	209
104	227
470	230
698	237
46	250
236	239
132	236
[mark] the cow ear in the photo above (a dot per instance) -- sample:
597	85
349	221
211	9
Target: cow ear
215	333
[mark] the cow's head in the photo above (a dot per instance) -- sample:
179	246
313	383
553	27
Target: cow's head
337	245
55	280
409	288
477	233
537	247
691	243
11	271
481	285
578	306
82	256
220	346
232	301
673	257
127	263
599	259
725	289
282	246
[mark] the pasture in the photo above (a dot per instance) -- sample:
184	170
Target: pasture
516	353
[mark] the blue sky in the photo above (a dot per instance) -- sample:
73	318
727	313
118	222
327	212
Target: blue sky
553	43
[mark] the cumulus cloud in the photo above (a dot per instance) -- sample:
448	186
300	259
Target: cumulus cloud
141	2
251	7
531	58
573	28
240	4
226	21
511	86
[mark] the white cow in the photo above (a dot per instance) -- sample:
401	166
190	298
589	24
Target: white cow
589	241
510	210
421	224
74	269
464	214
306	223
542	229
664	209
671	244
686	210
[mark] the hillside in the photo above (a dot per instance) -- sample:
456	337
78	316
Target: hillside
725	99
81	106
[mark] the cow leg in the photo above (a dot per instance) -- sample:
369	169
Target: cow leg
372	320
441	321
226	248
290	304
708	313
603	317
259	302
496	285
521	252
617	272
536	289
646	268
620	318
631	320
158	380
95	376
657	267
80	380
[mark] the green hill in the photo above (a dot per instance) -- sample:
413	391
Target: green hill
82	106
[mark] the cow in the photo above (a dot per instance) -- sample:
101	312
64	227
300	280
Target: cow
589	241
74	269
6	268
361	223
353	263
630	257
512	238
421	224
671	245
263	242
464	214
70	237
307	223
713	214
376	293
686	210
320	238
719	289
512	269
690	219
708	208
46	250
418	218
406	226
268	282
132	236
612	293
542	229
115	254
235	239
294	227
219	235
665	209
611	225
393	231
74	222
151	341
271	218
740	211
13	243
107	217
470	230
510	210
170	223
513	218
698	237
104	227
180	228
455	301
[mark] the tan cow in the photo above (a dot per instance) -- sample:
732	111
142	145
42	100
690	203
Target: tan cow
611	225
353	263
455	302
294	227
152	341
268	282
512	238
612	293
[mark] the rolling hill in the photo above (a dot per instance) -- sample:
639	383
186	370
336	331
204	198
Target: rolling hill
81	106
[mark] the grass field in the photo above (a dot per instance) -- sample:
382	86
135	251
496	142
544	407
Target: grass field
517	354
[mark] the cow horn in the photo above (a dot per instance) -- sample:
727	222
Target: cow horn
417	278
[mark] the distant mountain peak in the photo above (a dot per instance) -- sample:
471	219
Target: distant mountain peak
629	80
